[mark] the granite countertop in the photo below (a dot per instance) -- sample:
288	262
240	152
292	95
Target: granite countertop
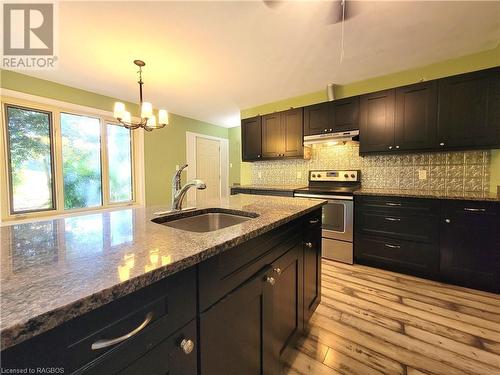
270	187
55	270
473	196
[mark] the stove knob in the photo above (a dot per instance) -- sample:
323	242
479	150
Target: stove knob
346	175
353	175
313	175
319	175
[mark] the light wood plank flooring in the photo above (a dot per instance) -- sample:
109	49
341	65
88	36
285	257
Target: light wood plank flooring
372	321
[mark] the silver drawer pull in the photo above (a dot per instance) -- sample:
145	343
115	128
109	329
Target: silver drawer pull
309	245
392	219
475	209
392	204
277	270
100	344
271	280
314	221
392	246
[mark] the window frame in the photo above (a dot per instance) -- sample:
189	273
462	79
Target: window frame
55	108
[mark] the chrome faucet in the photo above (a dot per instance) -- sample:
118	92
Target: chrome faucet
179	193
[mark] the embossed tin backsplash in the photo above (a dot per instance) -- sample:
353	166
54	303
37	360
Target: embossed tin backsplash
446	171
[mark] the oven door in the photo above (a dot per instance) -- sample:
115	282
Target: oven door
337	216
337	220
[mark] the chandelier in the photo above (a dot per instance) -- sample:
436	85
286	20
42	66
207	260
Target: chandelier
148	119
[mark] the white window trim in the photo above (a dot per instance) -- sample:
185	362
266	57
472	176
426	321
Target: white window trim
191	161
16	98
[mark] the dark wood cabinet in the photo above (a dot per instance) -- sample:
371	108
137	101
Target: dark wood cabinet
251	135
416	116
318	119
345	114
470	244
282	134
287	298
468	110
236	333
312	265
376	123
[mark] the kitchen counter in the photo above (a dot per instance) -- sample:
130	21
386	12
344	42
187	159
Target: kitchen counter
269	187
473	196
55	270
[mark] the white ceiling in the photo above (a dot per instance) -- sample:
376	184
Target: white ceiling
207	60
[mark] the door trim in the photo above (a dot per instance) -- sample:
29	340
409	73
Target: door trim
191	161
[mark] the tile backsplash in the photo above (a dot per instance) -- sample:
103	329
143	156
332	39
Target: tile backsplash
447	171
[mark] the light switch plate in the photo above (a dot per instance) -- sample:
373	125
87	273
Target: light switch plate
422	174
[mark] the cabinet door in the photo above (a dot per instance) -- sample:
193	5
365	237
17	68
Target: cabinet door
416	116
272	135
470	244
312	265
293	136
236	333
251	138
464	101
287	297
345	114
174	356
376	125
318	118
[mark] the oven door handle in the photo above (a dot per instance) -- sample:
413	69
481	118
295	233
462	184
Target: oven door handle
328	197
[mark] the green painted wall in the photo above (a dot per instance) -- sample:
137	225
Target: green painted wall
234	135
163	149
477	61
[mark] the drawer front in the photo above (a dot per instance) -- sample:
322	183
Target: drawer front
150	314
403	256
391	204
221	274
278	193
397	225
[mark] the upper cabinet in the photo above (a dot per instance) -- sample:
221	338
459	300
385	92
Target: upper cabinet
279	135
468	110
251	135
376	123
416	116
459	112
335	116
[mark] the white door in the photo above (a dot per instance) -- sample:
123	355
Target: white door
208	169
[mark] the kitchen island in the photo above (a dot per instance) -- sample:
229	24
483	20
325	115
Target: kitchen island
71	284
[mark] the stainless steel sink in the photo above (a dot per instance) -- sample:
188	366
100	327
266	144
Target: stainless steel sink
205	220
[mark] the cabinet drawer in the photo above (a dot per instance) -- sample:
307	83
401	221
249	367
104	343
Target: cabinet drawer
219	275
169	357
402	256
391	204
159	309
399	225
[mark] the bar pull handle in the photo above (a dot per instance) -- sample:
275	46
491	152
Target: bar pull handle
392	246
474	209
392	219
314	221
392	204
104	343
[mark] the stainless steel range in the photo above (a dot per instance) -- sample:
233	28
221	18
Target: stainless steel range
337	188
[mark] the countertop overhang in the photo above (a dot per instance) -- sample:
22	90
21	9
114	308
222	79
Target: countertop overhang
55	270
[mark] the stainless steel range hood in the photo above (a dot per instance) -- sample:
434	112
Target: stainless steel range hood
333	138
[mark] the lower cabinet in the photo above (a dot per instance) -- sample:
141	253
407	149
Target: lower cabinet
453	241
176	355
236	333
470	244
312	264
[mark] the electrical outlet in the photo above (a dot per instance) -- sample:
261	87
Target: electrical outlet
422	174
299	175
260	174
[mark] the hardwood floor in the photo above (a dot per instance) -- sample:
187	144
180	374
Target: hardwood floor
372	321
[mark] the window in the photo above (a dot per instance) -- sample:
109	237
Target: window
81	156
120	163
59	161
29	142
